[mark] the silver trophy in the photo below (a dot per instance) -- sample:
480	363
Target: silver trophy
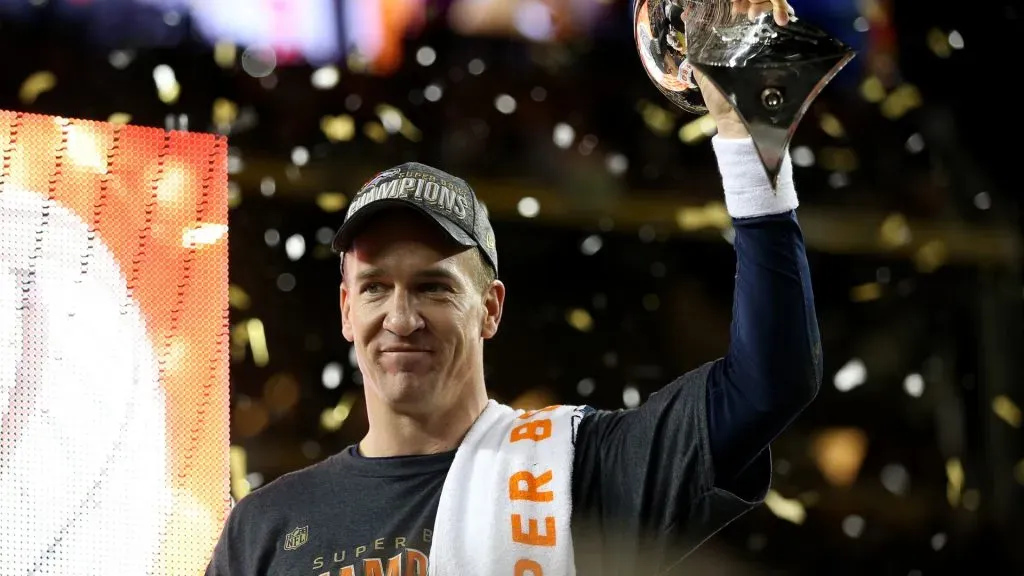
771	74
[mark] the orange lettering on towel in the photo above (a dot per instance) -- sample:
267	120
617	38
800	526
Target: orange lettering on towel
537	430
532	535
524	567
524	485
532	492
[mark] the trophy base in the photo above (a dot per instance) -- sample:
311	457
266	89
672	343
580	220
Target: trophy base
772	98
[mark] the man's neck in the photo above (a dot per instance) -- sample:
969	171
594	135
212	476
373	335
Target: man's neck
396	434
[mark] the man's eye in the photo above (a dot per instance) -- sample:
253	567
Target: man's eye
373	288
434	287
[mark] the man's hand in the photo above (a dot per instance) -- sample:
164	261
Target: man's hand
729	124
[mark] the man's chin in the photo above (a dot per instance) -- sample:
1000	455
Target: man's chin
408	389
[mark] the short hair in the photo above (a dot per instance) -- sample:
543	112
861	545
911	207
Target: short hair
483	273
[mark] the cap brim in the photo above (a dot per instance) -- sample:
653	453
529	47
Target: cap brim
348	231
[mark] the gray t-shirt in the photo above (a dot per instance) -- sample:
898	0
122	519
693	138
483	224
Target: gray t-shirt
643	488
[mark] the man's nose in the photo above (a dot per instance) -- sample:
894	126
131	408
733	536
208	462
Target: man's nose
402	318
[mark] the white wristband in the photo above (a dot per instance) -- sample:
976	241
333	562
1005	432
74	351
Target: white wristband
748	192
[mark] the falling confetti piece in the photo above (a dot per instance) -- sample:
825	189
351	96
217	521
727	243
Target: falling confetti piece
698	130
120	118
225	112
580	319
658	119
375	131
831	125
790	510
331	201
866	292
338	128
238	297
895	231
839	453
167	87
257	342
901	101
35	85
931	256
712	215
1007	410
938	43
954	481
224	54
873	90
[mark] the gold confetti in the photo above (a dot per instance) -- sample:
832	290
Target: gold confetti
376	132
331	201
580	319
238	298
790	510
838	159
831	125
698	130
238	466
902	100
938	43
167	87
658	120
872	90
866	292
931	256
712	215
954	482
338	128
224	54
120	118
1007	410
225	112
839	453
35	85
257	342
395	122
331	419
895	231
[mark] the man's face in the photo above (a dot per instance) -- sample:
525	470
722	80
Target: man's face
412	305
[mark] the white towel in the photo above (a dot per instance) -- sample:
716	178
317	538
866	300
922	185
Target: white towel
506	502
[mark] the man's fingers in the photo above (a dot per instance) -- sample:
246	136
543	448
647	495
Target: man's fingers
782	11
754	8
758	7
740	7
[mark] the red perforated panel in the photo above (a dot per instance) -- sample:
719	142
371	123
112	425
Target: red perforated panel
113	347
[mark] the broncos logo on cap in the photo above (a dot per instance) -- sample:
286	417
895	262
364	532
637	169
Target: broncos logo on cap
380	176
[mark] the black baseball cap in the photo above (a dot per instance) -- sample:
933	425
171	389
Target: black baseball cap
446	200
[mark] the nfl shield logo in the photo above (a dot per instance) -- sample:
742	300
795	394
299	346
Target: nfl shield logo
296	538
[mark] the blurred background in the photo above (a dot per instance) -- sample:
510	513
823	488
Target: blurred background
612	235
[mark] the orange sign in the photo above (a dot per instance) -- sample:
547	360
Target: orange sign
113	347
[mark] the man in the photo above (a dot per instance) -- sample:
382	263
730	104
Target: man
419	296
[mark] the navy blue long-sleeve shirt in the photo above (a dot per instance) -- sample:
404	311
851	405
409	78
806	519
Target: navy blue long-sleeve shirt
773	367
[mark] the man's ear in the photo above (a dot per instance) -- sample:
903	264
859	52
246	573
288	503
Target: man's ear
346	311
494	304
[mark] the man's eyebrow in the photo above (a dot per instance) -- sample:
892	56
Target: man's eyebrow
437	274
428	274
370	273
